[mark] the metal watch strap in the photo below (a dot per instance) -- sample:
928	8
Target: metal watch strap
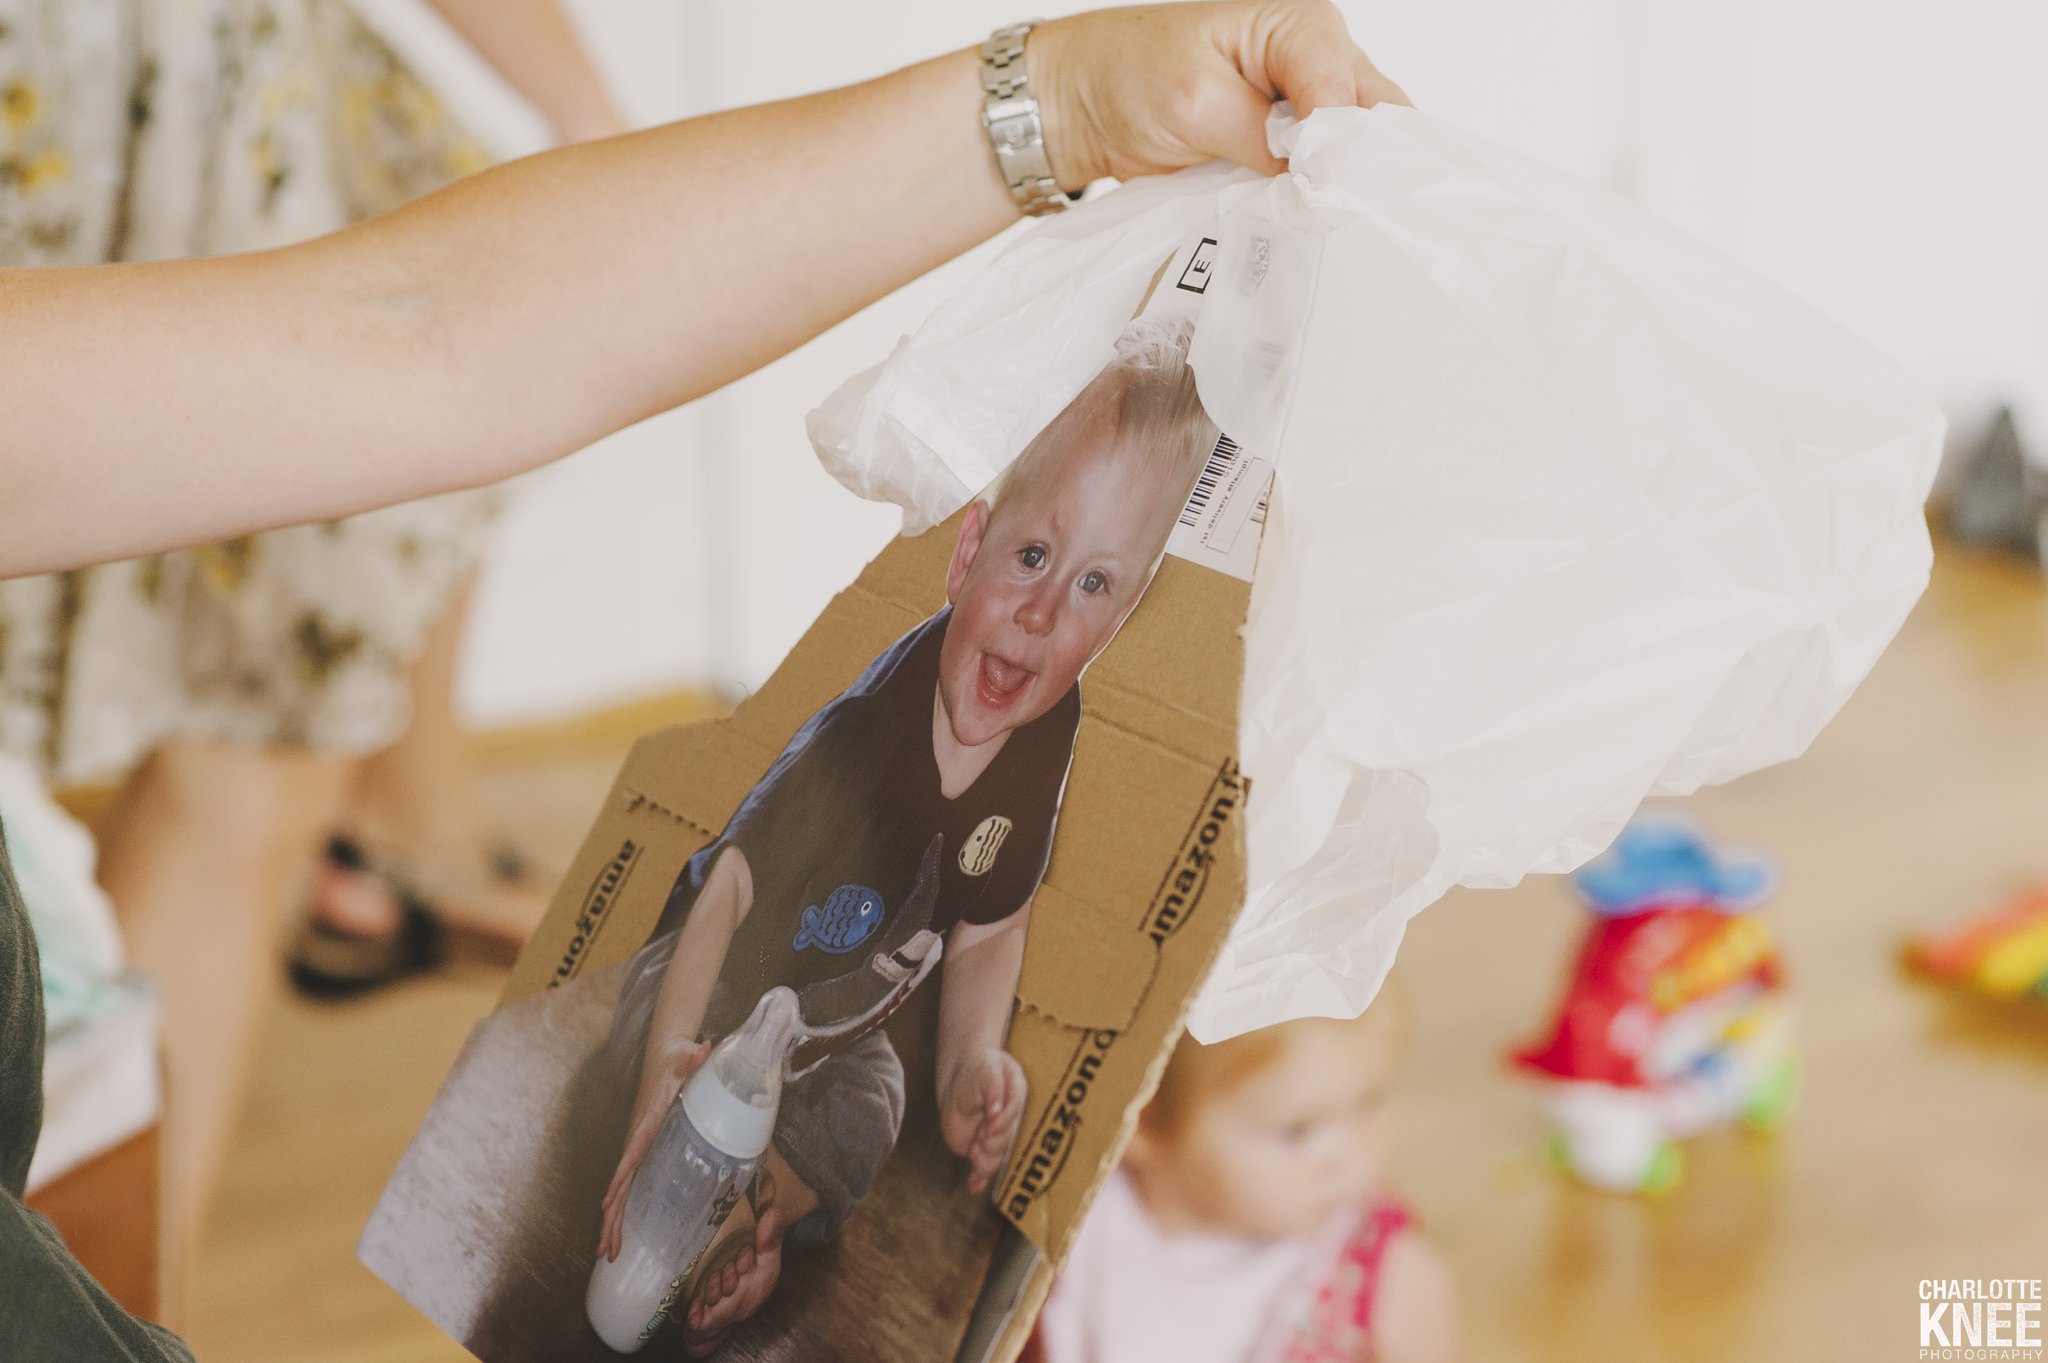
1010	113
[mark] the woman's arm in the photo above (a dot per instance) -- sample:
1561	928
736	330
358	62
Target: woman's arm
477	332
532	44
524	312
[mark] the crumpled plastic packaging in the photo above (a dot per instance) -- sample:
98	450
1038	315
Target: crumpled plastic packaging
1569	510
76	935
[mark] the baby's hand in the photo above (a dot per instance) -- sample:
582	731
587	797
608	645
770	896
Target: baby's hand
980	1110
662	1076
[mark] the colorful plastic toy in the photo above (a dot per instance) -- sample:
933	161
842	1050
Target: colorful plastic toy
1675	1020
2002	953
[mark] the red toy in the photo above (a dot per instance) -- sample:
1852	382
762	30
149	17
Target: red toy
1675	1019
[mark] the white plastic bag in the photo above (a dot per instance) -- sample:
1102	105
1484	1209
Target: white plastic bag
1569	511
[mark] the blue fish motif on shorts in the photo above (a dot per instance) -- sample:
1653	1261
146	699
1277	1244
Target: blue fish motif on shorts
851	915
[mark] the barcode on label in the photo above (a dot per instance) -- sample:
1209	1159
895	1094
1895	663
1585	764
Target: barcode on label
1218	467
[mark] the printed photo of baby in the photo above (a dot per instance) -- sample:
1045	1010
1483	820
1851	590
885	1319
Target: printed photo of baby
905	828
770	1132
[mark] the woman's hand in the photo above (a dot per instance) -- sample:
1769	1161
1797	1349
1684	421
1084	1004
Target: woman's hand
667	1068
1141	91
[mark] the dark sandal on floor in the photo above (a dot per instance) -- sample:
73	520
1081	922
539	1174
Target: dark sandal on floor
329	963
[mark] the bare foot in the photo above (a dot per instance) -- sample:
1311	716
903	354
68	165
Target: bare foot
497	915
738	1290
359	903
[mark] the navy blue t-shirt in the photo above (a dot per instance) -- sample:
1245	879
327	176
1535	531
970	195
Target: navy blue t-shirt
838	832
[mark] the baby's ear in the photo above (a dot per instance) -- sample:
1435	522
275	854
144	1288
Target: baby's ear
972	528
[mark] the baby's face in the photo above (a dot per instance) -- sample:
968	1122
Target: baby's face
1040	586
1277	1156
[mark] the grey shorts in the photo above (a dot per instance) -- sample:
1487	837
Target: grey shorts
837	1126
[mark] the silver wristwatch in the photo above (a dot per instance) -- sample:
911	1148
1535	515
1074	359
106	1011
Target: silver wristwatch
1010	113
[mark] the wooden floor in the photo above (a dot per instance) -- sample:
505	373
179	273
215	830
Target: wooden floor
1920	1149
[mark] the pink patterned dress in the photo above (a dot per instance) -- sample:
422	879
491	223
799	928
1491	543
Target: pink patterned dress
145	129
1131	1293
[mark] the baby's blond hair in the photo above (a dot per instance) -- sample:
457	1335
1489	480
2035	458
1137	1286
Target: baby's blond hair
1196	1074
1146	396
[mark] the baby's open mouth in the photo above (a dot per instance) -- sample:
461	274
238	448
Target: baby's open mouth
1000	681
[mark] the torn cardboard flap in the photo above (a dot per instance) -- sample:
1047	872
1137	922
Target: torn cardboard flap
614	889
1177	691
1099	910
858	624
1143	881
983	828
1088	1084
696	773
1077	986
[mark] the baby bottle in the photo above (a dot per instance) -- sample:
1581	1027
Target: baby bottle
696	1170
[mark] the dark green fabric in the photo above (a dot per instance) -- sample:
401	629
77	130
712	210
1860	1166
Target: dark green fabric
51	1311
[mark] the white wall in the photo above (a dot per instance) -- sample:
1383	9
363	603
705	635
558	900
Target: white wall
790	538
593	589
1886	159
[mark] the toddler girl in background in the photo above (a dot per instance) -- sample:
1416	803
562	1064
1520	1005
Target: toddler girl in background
1251	1222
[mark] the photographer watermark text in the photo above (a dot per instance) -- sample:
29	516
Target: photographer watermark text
1980	1318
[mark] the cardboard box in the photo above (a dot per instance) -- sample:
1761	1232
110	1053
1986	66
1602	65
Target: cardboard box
490	1222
